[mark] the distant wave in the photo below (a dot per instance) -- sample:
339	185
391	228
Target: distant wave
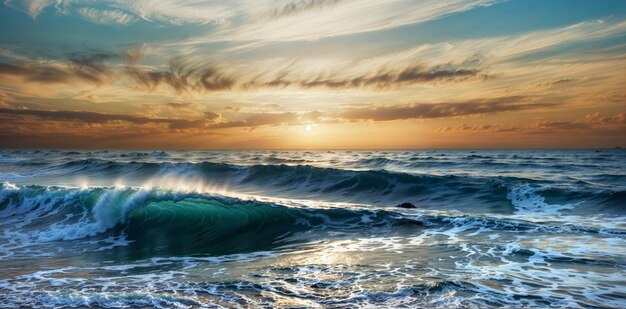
378	186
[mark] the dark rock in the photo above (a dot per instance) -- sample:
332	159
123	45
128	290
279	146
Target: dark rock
407	205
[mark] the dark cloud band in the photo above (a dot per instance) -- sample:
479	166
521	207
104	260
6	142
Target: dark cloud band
97	118
443	110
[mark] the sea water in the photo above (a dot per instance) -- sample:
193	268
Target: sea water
313	229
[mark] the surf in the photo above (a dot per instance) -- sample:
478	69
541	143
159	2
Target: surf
154	221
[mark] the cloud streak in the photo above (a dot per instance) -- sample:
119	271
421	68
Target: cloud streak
242	20
34	7
178	105
595	122
443	110
300	20
182	78
107	17
379	80
260	119
96	118
301	6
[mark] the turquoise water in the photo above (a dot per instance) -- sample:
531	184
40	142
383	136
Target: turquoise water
296	229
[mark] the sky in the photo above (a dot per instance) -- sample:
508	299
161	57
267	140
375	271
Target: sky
312	74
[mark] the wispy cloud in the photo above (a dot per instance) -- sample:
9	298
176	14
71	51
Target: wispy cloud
184	76
107	17
125	12
89	67
378	79
263	20
501	49
557	82
343	18
35	7
56	72
179	12
300	6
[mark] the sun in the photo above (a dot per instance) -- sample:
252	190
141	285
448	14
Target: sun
308	128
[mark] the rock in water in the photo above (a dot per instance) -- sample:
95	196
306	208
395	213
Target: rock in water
407	205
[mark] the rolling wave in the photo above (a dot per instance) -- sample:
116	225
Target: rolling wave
169	222
166	221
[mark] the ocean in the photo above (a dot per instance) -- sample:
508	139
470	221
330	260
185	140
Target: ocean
313	229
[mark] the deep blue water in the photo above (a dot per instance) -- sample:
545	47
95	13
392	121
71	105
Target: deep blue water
195	229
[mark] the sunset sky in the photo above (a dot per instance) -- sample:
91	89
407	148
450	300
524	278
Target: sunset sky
312	74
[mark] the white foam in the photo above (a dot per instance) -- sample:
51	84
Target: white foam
106	213
528	201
